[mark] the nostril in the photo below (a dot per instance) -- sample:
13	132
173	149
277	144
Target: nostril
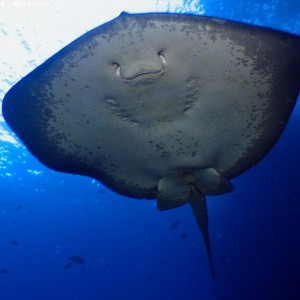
117	68
162	57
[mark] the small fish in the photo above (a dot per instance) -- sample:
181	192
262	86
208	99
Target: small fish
183	236
77	259
68	265
151	277
15	243
3	271
175	224
19	206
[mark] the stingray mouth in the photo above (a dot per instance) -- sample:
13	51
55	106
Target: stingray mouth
142	74
144	77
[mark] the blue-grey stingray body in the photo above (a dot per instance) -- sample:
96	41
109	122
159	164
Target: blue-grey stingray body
161	106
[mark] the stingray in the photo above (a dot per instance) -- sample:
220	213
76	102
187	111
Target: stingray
160	106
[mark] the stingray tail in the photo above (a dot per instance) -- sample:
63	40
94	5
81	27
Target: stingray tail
198	204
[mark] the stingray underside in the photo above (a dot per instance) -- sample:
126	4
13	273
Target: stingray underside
160	106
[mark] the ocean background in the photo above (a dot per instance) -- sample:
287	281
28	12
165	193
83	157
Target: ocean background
132	250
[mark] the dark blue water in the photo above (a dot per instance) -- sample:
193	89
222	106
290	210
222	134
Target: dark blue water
133	251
